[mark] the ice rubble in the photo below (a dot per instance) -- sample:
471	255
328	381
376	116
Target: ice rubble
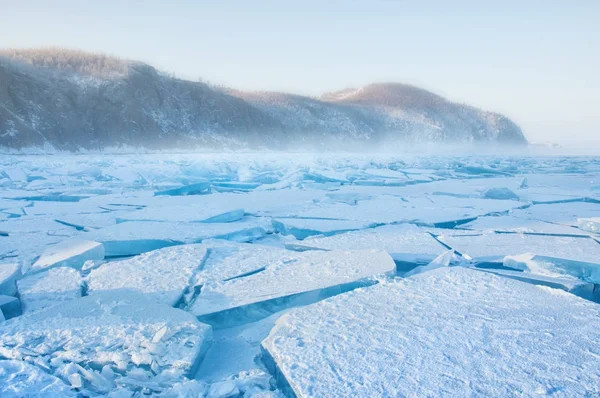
589	224
290	280
69	253
113	339
161	275
20	379
47	288
450	331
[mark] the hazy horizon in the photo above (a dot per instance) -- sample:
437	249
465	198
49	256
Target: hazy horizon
532	61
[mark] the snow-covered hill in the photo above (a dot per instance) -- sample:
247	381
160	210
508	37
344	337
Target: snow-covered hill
71	100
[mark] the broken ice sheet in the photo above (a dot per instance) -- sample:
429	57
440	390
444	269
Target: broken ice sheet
124	331
451	331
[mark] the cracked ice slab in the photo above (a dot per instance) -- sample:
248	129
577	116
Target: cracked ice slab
291	274
404	242
160	275
20	379
47	288
143	343
69	253
135	237
448	332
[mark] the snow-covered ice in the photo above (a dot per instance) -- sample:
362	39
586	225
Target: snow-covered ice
448	332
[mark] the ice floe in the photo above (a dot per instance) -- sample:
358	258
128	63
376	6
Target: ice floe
450	331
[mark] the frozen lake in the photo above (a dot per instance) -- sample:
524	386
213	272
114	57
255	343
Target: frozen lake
227	275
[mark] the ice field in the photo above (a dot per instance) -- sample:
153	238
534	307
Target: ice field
295	275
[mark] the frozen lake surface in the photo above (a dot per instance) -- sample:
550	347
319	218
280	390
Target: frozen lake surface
272	275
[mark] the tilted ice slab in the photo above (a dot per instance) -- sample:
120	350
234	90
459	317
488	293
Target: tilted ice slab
20	379
198	188
69	253
287	277
9	273
301	228
579	257
10	307
47	288
448	332
135	237
143	343
160	275
404	242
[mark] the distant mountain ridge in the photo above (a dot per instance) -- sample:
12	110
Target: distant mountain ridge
73	100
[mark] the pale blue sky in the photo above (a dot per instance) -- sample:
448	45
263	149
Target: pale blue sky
536	61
